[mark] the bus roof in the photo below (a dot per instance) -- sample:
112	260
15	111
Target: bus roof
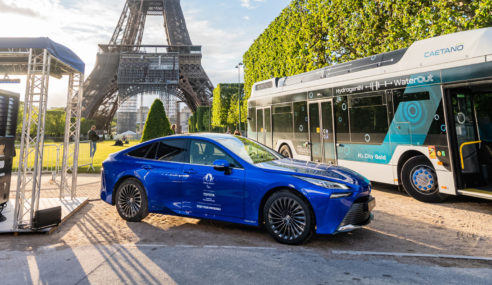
424	53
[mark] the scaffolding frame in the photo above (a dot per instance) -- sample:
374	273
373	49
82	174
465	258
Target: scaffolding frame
72	131
40	66
37	84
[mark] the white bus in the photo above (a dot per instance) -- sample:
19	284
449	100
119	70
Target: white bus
419	117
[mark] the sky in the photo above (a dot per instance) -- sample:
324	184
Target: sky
224	28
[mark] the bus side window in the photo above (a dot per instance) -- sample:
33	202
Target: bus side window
437	131
341	119
400	96
282	123
368	118
301	127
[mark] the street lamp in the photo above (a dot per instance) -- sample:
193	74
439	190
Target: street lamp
239	94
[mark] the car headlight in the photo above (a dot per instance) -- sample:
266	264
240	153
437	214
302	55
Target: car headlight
324	183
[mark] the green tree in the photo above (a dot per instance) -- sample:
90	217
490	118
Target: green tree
20	120
233	114
200	120
192	123
207	119
157	124
55	122
200	126
221	106
311	34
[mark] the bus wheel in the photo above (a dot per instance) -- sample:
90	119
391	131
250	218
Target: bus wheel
285	151
420	180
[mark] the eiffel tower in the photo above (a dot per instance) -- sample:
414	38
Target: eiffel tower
125	67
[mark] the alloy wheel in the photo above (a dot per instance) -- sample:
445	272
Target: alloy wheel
130	200
287	218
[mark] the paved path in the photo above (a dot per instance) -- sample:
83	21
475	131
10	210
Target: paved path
154	264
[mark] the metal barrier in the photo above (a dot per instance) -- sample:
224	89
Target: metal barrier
84	155
52	158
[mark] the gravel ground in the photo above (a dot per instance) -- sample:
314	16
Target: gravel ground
460	226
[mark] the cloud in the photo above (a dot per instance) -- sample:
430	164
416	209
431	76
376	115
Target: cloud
79	26
249	3
12	8
222	47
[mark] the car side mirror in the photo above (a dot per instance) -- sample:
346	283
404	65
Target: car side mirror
222	165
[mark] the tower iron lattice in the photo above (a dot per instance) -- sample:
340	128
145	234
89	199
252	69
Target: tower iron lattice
125	67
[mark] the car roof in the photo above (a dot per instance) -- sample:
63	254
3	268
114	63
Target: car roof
212	136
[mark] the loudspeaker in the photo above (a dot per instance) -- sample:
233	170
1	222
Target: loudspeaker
47	218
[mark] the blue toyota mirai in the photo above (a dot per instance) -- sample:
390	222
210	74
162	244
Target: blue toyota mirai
234	179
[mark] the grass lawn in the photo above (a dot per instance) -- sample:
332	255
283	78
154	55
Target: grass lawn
103	150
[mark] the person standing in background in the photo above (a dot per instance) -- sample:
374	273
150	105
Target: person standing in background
93	138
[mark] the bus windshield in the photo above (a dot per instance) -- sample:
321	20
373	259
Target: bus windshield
250	151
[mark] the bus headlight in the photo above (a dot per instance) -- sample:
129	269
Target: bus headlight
324	183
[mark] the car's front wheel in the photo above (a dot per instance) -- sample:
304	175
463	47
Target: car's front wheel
131	200
288	218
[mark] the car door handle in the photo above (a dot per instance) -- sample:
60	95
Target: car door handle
190	171
147	167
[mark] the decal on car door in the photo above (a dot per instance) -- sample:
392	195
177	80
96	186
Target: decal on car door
208	200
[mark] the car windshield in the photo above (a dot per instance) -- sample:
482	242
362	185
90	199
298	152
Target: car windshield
249	150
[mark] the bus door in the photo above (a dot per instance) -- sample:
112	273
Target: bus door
264	126
470	131
321	132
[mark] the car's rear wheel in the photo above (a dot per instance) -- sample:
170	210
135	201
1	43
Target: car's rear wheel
288	218
285	151
420	180
131	200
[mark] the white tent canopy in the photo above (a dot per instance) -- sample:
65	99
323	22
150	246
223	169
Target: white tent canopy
127	134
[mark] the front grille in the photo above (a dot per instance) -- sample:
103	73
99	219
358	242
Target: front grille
359	214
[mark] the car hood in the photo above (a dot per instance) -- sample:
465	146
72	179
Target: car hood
299	167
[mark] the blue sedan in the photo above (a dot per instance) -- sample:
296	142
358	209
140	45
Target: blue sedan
234	179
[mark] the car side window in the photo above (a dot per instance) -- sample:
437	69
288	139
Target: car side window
172	150
205	153
144	151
